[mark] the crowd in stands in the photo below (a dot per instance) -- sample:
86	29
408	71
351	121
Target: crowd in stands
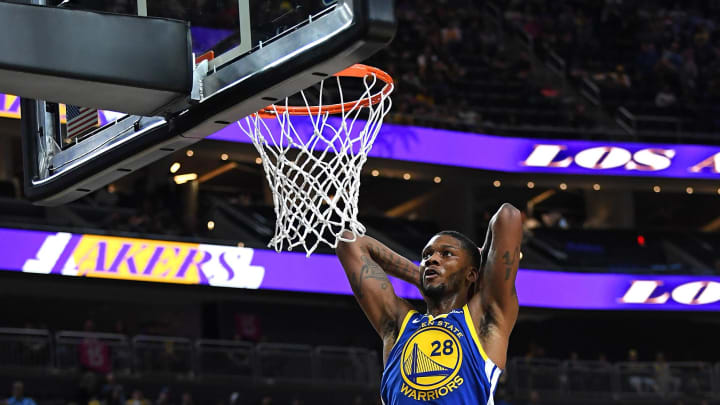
654	57
529	379
458	64
659	58
464	74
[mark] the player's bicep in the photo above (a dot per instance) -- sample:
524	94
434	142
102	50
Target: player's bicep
371	287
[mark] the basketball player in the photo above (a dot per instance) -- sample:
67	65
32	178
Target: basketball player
454	353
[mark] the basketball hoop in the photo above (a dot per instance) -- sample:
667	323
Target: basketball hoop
313	157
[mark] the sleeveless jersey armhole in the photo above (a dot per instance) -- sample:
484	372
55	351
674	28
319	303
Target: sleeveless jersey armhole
473	332
403	325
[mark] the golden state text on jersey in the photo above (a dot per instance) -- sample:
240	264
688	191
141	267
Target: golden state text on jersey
438	360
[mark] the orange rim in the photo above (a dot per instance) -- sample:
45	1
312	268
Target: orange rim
357	70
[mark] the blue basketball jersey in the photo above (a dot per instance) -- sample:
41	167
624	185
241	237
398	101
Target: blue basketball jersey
438	360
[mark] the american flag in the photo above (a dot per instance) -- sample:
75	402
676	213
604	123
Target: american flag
80	119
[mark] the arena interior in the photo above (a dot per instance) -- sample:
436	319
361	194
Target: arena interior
596	118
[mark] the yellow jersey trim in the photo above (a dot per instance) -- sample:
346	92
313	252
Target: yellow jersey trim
403	325
473	331
432	318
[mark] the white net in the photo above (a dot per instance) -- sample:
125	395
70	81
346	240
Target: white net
313	160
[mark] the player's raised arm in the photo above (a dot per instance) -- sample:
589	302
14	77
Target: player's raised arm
367	263
392	262
500	259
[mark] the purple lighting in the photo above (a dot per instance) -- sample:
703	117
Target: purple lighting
523	155
121	258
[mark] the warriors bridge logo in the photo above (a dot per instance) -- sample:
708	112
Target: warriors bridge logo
431	360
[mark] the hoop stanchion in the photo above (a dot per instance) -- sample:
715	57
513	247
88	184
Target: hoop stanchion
313	157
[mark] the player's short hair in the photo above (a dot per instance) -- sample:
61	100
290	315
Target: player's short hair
467	244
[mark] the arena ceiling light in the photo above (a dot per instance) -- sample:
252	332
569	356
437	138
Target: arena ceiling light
563	186
189	153
497	183
184	178
174	167
531	185
656	189
375	172
437	179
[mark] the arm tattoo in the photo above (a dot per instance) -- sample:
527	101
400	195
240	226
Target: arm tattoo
510	260
369	270
390	261
508	264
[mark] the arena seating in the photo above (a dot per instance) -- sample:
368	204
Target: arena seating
651	64
468	75
199	366
152	362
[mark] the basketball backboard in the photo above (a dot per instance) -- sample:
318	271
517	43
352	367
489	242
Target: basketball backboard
262	51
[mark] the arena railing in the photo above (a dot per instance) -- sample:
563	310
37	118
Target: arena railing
142	355
344	364
285	361
225	358
25	348
636	123
162	355
556	64
629	380
687	377
592	378
542	375
590	91
95	351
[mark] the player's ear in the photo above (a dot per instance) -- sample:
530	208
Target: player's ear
473	274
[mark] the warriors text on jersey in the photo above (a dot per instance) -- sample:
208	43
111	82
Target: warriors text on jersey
438	360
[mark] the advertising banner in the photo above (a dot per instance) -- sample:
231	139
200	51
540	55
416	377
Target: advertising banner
498	153
526	155
161	261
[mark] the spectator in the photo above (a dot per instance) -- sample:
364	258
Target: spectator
647	59
163	397
234	398
94	354
137	398
672	57
18	395
117	397
665	98
571	376
111	392
639	375
533	398
87	388
186	399
620	78
666	382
